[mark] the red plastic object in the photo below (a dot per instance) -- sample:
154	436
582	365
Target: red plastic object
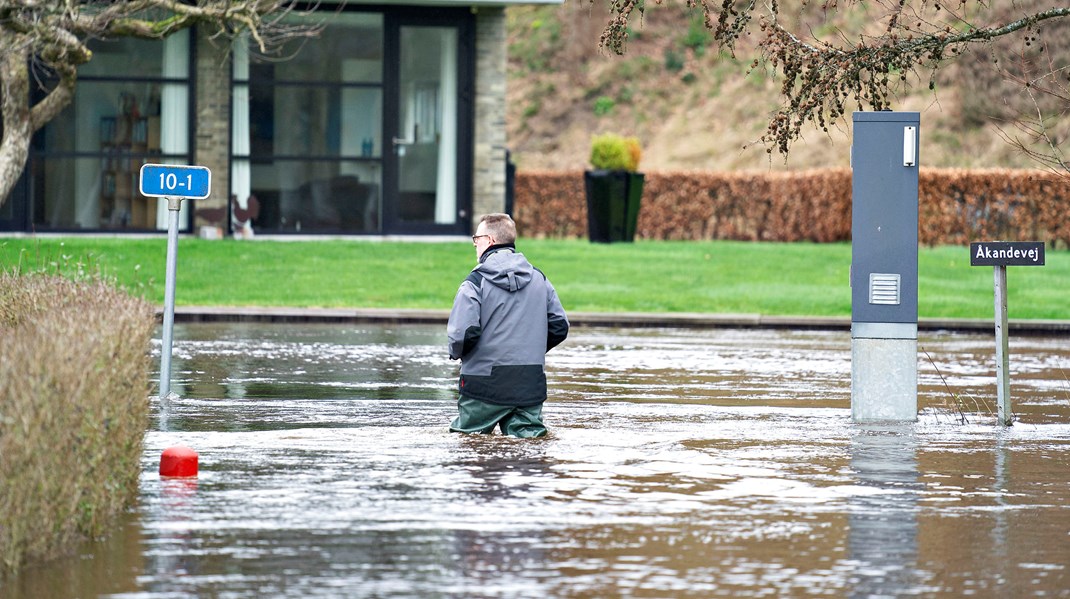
178	462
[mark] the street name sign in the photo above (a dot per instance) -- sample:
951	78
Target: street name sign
175	181
1007	253
1000	255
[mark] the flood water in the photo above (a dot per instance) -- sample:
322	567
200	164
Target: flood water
681	463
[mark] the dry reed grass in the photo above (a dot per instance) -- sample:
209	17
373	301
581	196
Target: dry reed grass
74	382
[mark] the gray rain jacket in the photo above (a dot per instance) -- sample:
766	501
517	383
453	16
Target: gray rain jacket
506	316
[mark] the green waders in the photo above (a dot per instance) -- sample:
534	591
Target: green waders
481	417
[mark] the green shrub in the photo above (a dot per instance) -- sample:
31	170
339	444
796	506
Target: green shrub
536	36
674	62
604	105
74	370
697	36
532	109
612	152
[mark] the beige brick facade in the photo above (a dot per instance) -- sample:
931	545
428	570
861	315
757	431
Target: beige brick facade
212	127
488	177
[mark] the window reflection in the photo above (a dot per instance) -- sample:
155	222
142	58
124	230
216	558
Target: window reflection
306	132
315	195
86	163
427	166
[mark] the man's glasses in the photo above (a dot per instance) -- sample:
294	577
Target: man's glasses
475	237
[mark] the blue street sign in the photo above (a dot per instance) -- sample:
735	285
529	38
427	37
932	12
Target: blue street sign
175	181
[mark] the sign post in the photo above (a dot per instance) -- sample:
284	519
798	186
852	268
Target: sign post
173	183
1000	255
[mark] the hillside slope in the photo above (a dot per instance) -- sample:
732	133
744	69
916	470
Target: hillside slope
695	109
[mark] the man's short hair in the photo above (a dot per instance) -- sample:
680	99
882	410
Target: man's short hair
500	226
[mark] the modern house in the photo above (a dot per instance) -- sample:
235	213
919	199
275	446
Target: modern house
391	121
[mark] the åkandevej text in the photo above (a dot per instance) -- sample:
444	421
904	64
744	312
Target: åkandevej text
987	253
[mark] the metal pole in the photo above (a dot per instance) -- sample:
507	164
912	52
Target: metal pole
173	206
1003	383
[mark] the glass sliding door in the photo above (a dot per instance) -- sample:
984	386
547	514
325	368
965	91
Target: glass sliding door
427	125
363	130
307	131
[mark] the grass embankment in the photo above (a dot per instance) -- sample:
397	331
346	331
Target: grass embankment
74	376
796	279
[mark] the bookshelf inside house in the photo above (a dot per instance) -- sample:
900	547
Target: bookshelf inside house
128	140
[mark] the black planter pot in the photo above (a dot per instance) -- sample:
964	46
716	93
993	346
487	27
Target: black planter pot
613	199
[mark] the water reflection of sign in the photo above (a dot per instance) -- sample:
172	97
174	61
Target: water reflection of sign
1007	253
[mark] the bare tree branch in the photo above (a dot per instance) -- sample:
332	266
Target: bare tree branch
822	78
55	34
1039	128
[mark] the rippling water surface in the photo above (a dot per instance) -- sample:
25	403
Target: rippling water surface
718	463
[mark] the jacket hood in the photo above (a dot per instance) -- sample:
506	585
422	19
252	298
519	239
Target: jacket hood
504	267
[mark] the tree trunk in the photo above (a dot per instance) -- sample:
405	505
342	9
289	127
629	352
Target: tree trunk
20	121
15	145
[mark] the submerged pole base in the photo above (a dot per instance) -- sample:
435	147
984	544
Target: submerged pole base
884	380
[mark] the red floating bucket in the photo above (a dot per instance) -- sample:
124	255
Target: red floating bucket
178	462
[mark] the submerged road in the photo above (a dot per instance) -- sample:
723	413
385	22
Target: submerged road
254	314
681	463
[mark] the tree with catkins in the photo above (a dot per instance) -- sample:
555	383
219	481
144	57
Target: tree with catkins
828	70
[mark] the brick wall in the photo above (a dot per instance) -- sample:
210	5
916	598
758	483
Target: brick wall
212	129
488	177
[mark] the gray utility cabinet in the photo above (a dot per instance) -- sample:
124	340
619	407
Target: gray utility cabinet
884	265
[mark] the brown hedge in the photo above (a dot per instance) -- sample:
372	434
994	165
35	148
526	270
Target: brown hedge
960	206
955	206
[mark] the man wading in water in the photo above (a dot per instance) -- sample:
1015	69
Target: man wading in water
506	316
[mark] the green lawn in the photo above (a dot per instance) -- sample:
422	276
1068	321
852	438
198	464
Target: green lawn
797	279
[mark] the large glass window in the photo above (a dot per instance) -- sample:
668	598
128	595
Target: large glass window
427	121
131	106
306	131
